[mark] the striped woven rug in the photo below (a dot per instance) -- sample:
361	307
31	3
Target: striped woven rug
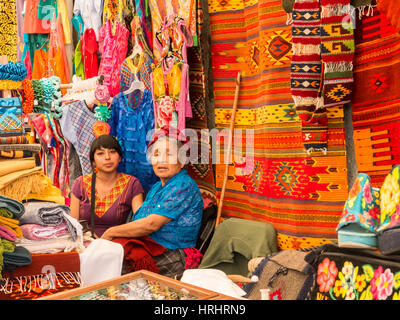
376	100
301	196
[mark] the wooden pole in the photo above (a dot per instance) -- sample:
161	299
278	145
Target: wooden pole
229	151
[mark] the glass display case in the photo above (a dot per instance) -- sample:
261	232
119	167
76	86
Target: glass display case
139	285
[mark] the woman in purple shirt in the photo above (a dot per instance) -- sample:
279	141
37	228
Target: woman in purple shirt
115	193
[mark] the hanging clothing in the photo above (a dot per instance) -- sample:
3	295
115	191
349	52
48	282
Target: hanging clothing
170	77
77	127
113	10
33	24
131	119
180	200
91	12
57	55
111	210
78	61
113	46
142	71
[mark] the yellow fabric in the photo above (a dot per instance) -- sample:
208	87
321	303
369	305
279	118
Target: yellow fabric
7	180
112	12
11	224
10	85
62	10
50	192
8	166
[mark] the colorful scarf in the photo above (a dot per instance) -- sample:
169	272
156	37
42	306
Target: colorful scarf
306	70
337	51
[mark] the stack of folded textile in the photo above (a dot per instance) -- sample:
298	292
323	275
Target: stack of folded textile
47	227
11	255
20	174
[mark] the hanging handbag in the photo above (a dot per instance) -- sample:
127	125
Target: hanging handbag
11	123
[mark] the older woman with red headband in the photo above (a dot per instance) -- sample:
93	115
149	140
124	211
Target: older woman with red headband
172	211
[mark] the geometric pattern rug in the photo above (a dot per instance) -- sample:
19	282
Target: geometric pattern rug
274	180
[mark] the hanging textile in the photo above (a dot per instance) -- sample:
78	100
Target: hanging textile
90	12
8	29
200	171
113	45
32	22
59	65
170	77
277	182
77	127
376	112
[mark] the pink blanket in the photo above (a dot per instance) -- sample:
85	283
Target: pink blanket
41	232
7	234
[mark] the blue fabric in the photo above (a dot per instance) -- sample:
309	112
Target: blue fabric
179	199
130	124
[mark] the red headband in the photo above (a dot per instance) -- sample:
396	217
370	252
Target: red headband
170	132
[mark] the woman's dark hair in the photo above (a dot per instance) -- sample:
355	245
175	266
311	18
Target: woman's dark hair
104	141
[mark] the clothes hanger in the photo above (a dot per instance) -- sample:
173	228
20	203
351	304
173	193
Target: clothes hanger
135	85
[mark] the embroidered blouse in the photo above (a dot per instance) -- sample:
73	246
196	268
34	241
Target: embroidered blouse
111	210
180	200
114	47
132	118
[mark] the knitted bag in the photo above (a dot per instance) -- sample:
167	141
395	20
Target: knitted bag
11	123
355	274
288	275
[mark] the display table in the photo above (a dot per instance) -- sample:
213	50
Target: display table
139	285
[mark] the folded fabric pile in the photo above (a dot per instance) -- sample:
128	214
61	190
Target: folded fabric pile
47	227
11	255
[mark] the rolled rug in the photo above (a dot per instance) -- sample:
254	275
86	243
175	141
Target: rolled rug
13	206
47	214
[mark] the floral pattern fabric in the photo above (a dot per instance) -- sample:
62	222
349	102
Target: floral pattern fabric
390	200
354	281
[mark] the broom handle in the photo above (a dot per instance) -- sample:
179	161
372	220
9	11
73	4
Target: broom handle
235	102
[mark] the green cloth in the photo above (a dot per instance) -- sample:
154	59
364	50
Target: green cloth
8	246
6	213
78	63
235	242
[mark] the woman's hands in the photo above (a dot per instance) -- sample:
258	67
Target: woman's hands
108	234
137	228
